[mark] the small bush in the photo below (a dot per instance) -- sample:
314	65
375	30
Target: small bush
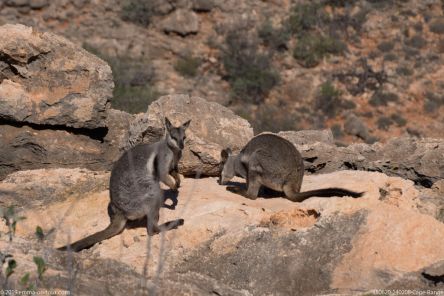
384	123
385	46
276	38
383	98
249	71
312	48
138	12
305	17
437	27
416	42
187	66
433	102
398	119
404	71
329	100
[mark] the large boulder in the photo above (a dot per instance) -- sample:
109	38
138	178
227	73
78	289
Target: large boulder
47	80
213	128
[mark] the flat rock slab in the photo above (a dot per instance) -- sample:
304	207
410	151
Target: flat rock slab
47	80
263	246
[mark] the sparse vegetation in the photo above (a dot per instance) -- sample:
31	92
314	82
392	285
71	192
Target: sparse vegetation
329	100
187	66
404	71
275	38
384	122
398	119
416	42
437	27
138	12
433	102
133	91
312	48
383	98
386	46
305	16
249	72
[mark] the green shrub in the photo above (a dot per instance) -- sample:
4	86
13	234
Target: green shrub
386	46
133	91
383	98
249	72
187	66
404	71
305	16
329	100
312	48
437	27
384	123
138	12
416	42
276	38
398	119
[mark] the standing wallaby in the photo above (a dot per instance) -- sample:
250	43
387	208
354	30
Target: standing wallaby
273	162
134	185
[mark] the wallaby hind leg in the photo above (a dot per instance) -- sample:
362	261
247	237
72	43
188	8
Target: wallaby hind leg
118	222
253	186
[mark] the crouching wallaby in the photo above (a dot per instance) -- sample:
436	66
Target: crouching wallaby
135	189
273	162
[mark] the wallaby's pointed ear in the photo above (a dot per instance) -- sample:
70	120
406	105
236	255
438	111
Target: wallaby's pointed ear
225	154
168	124
186	124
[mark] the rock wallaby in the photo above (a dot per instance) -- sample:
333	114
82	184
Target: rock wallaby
275	163
135	189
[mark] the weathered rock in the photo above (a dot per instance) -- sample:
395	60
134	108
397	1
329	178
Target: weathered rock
38	4
47	80
27	148
202	5
182	22
213	128
308	136
17	2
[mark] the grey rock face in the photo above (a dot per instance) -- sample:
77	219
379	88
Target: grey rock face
47	80
182	22
302	262
213	128
308	136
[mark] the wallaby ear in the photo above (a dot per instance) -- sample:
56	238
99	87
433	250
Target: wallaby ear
168	124
225	154
186	124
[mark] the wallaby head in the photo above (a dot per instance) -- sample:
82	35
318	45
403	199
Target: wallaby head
175	136
227	166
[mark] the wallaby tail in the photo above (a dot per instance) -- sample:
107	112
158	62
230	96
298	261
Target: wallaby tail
116	226
327	192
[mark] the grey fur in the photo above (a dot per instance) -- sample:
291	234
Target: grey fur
271	161
134	185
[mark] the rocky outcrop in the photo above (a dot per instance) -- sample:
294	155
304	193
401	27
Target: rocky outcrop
182	22
213	128
415	159
47	80
228	244
54	109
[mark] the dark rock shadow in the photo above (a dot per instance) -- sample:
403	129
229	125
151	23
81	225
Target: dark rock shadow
171	195
264	192
142	223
